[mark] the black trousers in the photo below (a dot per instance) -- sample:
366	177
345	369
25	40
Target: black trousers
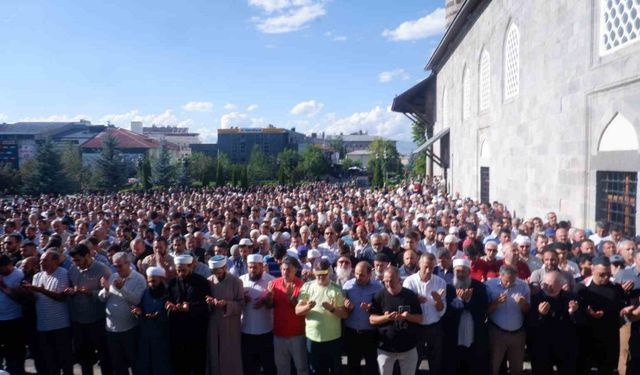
189	353
123	350
257	352
602	353
12	341
90	346
359	345
430	341
55	351
547	352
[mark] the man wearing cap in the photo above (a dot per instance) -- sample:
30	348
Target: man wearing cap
469	329
188	316
239	263
288	328
257	319
524	249
87	311
431	292
552	330
509	302
153	346
121	291
603	302
451	244
226	301
360	335
322	304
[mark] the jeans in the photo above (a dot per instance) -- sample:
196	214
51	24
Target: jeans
325	357
406	361
287	348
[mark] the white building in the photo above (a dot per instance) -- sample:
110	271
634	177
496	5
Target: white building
538	105
181	137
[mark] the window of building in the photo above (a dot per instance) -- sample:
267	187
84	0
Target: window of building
484	184
512	63
620	24
484	81
466	94
445	106
619	135
616	199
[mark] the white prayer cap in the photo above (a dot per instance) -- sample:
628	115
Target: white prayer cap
461	262
245	242
156	271
451	238
313	253
217	261
286	236
522	240
293	253
264	237
183	259
254	258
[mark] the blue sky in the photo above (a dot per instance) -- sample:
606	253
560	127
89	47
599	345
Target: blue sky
317	65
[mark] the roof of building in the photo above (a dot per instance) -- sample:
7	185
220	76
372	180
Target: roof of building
418	100
39	128
126	140
359	152
168	130
450	38
359	138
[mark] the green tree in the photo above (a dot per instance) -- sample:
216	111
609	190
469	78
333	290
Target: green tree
312	162
184	174
378	180
110	170
234	175
338	144
223	164
288	161
202	168
348	163
144	173
9	179
80	176
244	179
260	166
387	153
417	132
45	175
163	171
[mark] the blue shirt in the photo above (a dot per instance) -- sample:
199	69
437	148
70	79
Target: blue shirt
628	274
447	276
52	314
10	309
359	319
508	315
273	266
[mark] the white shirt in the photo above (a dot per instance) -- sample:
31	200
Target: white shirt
430	314
256	321
331	252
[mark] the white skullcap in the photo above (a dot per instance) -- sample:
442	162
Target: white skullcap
156	271
313	253
293	253
264	237
461	262
286	236
451	238
245	242
522	240
217	261
183	259
254	258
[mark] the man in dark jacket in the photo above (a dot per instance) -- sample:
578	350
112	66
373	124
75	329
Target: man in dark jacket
469	308
552	327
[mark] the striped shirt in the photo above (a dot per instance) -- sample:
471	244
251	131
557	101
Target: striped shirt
51	314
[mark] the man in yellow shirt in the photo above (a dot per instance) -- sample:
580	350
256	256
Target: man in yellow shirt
322	304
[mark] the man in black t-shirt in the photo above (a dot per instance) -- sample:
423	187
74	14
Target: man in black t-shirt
396	312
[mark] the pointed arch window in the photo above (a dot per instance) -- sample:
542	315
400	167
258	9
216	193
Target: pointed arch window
466	93
484	81
512	62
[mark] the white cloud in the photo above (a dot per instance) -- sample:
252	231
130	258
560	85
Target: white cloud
389	76
240	120
252	107
336	38
230	106
309	108
208	134
198	106
166	118
56	118
284	16
427	26
3	117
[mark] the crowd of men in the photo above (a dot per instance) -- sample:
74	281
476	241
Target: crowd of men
278	279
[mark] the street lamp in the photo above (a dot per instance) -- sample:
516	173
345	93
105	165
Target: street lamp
384	167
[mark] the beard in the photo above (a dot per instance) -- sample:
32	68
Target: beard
158	291
461	283
343	273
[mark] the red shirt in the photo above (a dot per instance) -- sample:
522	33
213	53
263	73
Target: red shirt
479	270
285	321
523	269
493	268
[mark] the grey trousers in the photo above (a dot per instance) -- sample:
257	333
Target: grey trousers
406	361
510	344
286	348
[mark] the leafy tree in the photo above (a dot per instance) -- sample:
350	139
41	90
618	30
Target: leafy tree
419	165
144	173
110	171
348	163
339	145
45	175
202	168
378	180
288	161
312	162
417	132
163	172
387	153
223	165
9	178
80	176
282	178
260	165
